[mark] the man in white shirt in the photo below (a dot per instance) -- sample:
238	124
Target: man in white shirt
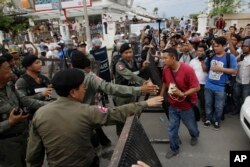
186	56
51	54
241	87
196	64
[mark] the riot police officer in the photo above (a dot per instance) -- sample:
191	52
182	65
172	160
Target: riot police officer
127	73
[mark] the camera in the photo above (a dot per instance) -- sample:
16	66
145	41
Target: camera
172	88
202	57
18	111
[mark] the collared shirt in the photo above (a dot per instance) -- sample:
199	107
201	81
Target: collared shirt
243	75
201	75
185	58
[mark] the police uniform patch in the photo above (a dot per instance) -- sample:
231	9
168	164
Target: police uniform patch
103	109
121	67
97	77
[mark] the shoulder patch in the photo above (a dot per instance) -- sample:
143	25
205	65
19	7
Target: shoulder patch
103	109
121	67
96	77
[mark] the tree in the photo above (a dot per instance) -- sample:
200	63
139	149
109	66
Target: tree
12	22
224	6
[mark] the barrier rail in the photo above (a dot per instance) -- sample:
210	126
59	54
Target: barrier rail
134	145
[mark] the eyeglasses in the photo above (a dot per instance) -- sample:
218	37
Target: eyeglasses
245	46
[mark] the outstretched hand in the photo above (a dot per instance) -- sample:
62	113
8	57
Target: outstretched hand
149	87
154	101
140	164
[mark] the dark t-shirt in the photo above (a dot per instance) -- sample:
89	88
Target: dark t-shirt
186	79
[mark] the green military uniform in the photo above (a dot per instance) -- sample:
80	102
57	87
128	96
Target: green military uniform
95	84
95	65
18	69
126	74
64	129
13	139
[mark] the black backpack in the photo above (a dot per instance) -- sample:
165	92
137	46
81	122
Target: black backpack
229	104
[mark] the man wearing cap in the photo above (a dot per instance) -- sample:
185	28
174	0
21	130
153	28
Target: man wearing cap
241	87
96	84
136	47
51	65
95	66
32	86
17	69
13	124
126	73
63	128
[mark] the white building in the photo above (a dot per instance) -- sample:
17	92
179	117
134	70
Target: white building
113	8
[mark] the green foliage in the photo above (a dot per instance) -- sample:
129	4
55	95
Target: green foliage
194	16
12	23
5	22
224	6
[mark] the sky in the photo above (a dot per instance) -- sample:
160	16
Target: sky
170	8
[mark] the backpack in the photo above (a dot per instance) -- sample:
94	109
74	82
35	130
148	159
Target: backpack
229	105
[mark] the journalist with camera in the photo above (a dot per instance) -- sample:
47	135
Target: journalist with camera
13	120
197	64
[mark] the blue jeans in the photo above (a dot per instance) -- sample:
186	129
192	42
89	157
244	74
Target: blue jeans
214	104
188	119
240	92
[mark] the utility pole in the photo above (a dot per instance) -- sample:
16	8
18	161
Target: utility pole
64	31
86	17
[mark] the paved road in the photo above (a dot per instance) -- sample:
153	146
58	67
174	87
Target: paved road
213	147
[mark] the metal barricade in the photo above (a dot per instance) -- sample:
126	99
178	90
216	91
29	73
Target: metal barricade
134	145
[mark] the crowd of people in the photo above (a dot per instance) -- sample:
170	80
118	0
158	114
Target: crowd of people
183	68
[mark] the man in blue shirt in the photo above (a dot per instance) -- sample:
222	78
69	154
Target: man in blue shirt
218	75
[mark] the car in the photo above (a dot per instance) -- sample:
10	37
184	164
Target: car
245	116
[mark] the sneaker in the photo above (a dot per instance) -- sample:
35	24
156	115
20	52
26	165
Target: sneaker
171	153
216	125
207	123
194	141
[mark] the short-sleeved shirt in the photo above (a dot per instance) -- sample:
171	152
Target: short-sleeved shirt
186	79
217	80
243	75
201	75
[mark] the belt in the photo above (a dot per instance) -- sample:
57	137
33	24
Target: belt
2	137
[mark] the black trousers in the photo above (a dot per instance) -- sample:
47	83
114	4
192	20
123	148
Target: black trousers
201	97
96	162
100	138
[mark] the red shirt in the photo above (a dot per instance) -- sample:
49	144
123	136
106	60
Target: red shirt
186	79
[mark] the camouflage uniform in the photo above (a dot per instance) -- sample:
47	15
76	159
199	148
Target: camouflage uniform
18	69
